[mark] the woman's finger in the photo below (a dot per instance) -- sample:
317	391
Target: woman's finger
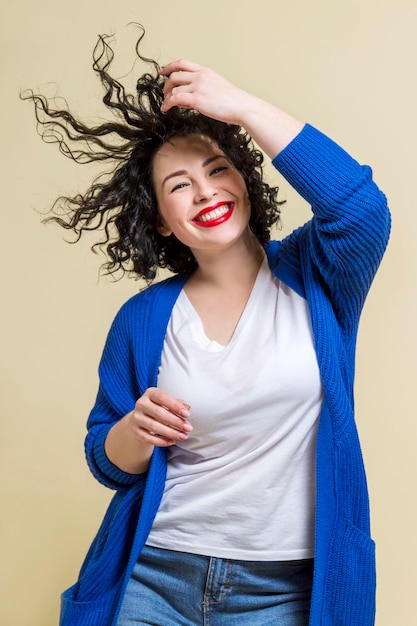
168	431
160	414
179	78
180	65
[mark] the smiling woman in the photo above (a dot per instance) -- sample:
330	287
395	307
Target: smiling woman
122	205
224	415
198	188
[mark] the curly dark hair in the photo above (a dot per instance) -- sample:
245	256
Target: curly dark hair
121	203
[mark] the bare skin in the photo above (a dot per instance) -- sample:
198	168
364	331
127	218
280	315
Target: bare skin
220	302
228	256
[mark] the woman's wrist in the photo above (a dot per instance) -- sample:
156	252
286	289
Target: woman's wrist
271	128
126	451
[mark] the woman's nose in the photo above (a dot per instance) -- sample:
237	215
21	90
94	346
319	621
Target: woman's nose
204	190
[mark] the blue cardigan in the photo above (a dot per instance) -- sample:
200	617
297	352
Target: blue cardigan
330	261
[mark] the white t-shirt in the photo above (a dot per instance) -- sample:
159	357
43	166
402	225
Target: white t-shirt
243	485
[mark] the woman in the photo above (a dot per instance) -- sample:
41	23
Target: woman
224	417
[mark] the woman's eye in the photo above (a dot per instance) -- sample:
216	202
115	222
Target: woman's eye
217	170
179	186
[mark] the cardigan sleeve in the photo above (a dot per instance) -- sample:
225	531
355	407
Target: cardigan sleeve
117	394
350	228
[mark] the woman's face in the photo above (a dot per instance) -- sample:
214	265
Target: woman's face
202	198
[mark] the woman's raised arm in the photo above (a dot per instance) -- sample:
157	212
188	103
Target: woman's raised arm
193	86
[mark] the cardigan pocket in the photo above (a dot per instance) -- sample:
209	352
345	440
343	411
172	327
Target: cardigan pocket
351	582
91	613
93	599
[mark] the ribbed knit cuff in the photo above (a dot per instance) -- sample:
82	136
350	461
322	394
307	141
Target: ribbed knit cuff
107	468
318	169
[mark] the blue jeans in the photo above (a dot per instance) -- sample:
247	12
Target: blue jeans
170	588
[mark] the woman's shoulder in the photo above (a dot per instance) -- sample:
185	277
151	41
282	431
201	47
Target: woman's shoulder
288	248
158	293
285	261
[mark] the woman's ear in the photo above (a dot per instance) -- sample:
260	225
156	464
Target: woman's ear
162	228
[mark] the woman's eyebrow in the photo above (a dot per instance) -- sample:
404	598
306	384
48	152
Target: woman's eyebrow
184	172
178	173
213	158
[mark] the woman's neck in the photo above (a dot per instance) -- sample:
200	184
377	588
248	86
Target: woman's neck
221	285
237	265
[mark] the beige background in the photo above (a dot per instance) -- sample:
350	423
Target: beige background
347	67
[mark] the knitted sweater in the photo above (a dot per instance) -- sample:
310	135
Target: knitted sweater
330	261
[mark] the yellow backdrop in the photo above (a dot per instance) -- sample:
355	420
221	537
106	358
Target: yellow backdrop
346	67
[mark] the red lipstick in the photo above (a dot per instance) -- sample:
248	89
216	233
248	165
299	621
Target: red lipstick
214	215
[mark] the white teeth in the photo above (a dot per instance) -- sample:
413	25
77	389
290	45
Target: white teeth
212	215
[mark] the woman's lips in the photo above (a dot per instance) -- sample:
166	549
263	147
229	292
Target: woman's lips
215	215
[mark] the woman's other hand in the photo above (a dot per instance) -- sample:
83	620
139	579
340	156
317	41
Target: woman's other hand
158	419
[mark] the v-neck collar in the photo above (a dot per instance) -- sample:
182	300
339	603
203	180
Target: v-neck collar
197	324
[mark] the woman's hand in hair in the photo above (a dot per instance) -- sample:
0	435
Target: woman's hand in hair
192	86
